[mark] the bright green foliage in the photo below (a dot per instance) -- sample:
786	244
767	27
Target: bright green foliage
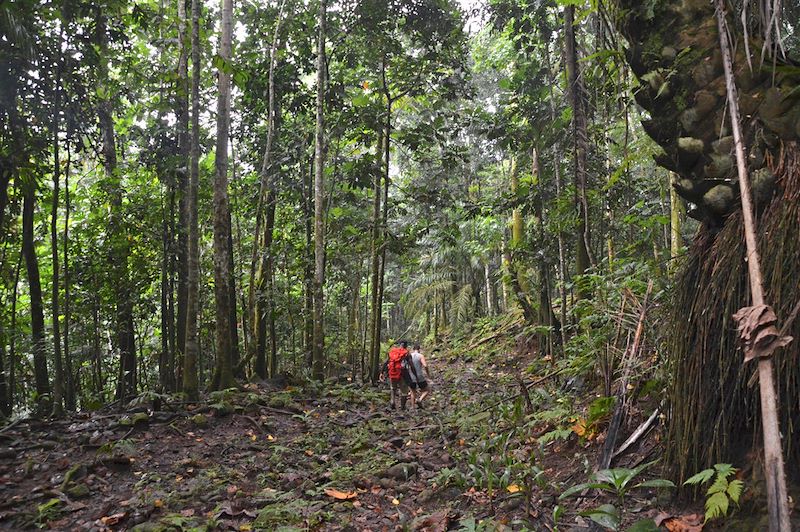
722	490
617	481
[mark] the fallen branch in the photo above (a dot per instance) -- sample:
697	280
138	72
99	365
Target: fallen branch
633	438
253	422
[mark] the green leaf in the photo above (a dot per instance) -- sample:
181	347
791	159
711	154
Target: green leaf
573	490
645	525
558	511
716	505
725	470
734	490
360	100
700	478
605	515
656	483
720	485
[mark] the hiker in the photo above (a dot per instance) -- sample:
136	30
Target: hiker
420	387
398	373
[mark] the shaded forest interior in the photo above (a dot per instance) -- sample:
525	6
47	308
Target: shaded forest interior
233	210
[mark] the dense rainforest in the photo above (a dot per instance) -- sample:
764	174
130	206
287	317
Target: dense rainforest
216	219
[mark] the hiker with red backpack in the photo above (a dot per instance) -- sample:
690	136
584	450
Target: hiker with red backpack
399	370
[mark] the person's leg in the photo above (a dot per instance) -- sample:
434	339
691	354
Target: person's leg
403	394
424	390
413	395
393	387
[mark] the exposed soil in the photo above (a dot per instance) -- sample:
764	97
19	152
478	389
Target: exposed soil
280	457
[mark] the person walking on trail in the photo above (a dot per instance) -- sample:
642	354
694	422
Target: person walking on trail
398	368
420	385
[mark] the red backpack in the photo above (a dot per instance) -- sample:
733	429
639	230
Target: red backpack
396	356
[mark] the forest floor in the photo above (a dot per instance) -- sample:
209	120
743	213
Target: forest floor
480	456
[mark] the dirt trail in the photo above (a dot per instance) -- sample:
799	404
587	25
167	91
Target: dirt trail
259	459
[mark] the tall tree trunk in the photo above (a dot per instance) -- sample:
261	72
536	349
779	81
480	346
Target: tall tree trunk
12	348
308	272
546	315
5	404
234	314
37	308
191	350
118	237
72	383
165	371
223	372
318	365
182	178
58	381
575	93
262	294
375	261
518	281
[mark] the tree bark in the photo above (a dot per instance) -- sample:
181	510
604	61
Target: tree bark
58	381
223	372
575	93
376	258
12	348
515	270
191	349
41	377
262	294
72	383
117	234
318	365
182	178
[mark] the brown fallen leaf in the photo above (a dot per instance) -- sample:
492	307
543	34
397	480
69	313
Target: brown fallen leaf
111	520
341	495
436	522
683	523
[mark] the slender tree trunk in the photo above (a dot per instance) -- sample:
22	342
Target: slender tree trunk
376	258
308	273
12	348
118	237
575	94
191	350
164	370
182	178
262	295
223	372
319	196
5	404
487	279
37	308
774	470
72	383
58	381
234	314
546	314
516	271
